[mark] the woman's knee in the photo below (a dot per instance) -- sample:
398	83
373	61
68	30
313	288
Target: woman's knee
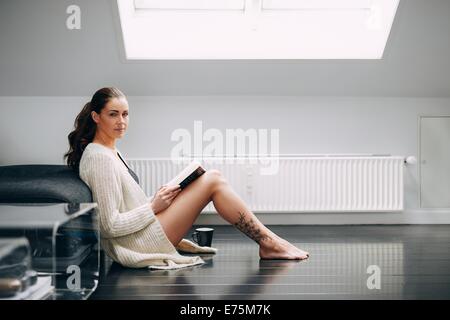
215	177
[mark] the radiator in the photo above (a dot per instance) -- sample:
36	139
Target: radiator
302	184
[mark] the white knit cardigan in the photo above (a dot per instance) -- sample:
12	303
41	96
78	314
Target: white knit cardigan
130	232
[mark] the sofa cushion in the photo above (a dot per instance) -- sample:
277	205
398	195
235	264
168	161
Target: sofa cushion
42	184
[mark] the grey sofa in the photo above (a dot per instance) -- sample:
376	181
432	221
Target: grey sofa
42	184
46	184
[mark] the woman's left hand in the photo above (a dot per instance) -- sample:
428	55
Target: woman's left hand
164	197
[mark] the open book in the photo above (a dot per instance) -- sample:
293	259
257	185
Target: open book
187	175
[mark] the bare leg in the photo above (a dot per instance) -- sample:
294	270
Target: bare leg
178	218
231	207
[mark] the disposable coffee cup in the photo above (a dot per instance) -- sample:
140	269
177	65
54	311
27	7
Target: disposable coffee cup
203	236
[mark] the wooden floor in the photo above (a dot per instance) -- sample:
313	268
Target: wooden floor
413	262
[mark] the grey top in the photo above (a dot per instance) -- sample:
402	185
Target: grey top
134	175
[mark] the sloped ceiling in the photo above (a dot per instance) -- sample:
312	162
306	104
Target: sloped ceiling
39	56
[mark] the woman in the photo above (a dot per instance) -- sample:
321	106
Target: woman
137	231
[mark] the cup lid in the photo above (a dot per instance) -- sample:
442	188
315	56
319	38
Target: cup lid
204	229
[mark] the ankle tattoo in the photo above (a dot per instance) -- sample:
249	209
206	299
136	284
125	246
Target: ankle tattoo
248	227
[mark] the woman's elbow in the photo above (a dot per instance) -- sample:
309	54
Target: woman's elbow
107	231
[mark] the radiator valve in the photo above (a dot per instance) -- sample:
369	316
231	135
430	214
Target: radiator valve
411	160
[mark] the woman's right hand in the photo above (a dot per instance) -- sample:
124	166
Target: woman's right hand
164	197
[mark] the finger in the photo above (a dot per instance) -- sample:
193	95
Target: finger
174	195
175	192
169	200
166	193
174	188
169	192
170	195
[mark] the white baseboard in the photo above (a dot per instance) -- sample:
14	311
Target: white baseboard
409	216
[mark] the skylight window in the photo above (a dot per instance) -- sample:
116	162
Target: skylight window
256	29
189	5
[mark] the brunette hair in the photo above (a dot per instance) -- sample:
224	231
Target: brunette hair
85	127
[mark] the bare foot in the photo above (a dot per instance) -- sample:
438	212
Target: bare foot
278	248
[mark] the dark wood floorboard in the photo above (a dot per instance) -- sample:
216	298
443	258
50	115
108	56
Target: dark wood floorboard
414	261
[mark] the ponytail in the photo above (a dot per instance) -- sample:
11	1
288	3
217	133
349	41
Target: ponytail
80	137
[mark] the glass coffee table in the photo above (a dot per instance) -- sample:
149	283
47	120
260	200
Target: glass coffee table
64	243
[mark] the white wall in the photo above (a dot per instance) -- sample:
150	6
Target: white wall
35	129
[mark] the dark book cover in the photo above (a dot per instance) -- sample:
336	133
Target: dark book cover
189	174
